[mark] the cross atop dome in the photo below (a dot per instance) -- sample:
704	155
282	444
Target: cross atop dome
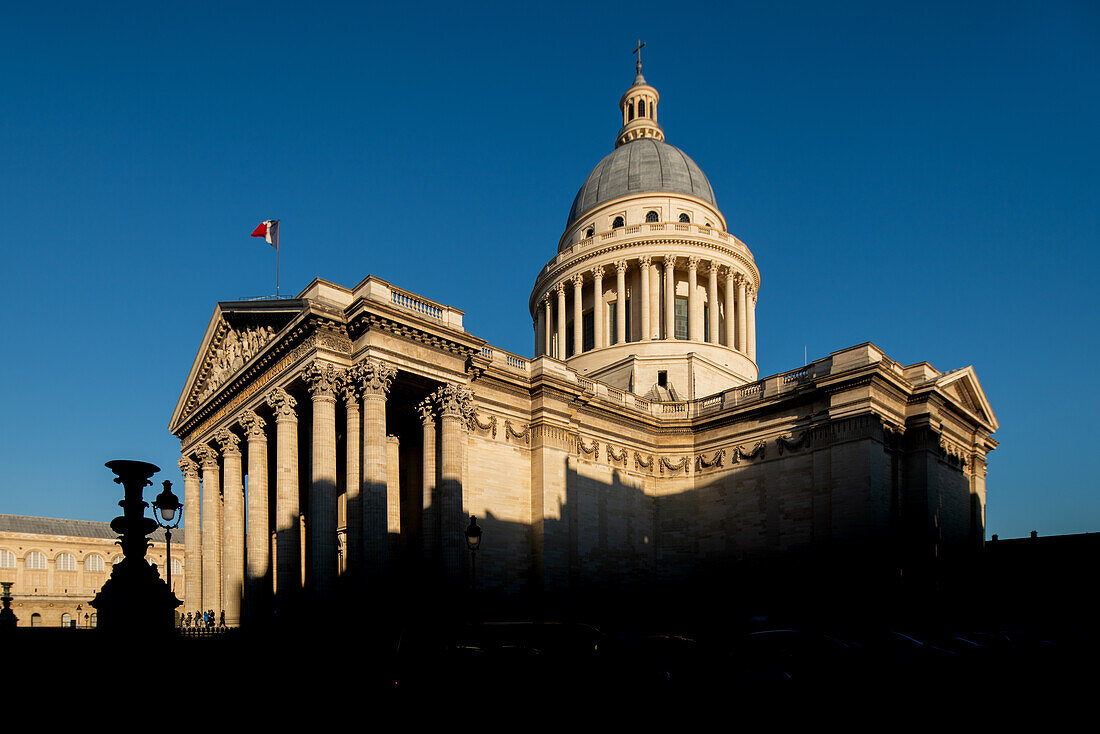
639	107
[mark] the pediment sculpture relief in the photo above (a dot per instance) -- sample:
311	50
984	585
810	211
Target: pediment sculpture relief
237	348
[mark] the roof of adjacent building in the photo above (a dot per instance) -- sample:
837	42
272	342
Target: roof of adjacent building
74	528
641	166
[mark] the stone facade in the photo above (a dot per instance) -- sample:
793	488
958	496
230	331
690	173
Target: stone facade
638	446
58	566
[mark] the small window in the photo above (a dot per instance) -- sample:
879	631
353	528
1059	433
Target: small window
652	216
617	223
66	562
66	620
588	326
641	108
662	378
569	348
685	218
7	559
94	620
177	567
613	322
36	620
706	322
93	563
681	317
36	561
630	112
590	232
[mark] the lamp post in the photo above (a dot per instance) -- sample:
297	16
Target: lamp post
473	542
166	507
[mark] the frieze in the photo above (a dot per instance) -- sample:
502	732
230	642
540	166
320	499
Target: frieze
612	456
525	434
368	321
639	463
474	422
593	450
759	451
784	443
715	461
680	465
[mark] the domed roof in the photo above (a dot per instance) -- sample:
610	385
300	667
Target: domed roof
641	166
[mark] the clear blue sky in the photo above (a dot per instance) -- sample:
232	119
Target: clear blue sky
925	176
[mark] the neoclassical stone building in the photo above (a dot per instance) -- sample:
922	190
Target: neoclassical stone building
344	436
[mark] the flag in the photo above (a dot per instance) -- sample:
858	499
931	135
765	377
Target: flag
269	230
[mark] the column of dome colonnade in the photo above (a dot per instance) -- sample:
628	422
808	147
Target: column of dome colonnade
727	295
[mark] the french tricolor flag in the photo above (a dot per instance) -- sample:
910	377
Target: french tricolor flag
269	230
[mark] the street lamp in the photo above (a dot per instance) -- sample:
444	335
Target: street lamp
167	505
473	542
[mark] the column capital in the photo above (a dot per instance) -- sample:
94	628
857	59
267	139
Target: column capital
693	262
351	393
645	261
324	380
188	467
739	279
560	288
670	262
546	299
253	426
728	272
229	442
283	403
597	272
454	401
208	457
578	280
374	377
713	266
427	412
620	266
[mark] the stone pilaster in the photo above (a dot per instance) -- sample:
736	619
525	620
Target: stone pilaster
560	351
375	379
731	317
670	296
192	536
232	527
712	302
644	263
695	307
578	312
429	519
620	302
455	404
257	585
353	509
597	307
324	382
211	530
742	320
288	550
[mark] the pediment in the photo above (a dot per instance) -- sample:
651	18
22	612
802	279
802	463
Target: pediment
234	339
962	387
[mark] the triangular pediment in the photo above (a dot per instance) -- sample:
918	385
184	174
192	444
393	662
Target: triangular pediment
962	387
234	338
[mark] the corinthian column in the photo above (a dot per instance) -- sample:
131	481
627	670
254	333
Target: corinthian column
712	303
324	382
232	527
670	296
353	510
750	328
393	494
288	558
429	503
211	531
654	301
560	351
374	380
644	263
597	306
257	587
578	312
731	318
742	305
620	302
455	404
695	308
548	336
192	535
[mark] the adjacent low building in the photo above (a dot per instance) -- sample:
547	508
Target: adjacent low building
57	566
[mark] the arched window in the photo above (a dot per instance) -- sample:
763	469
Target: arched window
66	562
590	232
630	112
177	568
66	619
617	223
685	218
7	559
36	561
641	108
93	563
652	216
36	619
93	620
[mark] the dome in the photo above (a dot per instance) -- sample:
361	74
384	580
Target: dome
641	166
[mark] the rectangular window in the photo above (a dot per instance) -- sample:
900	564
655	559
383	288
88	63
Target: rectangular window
706	322
569	340
681	318
613	331
589	327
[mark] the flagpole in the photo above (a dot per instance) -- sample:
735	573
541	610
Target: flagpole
277	251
